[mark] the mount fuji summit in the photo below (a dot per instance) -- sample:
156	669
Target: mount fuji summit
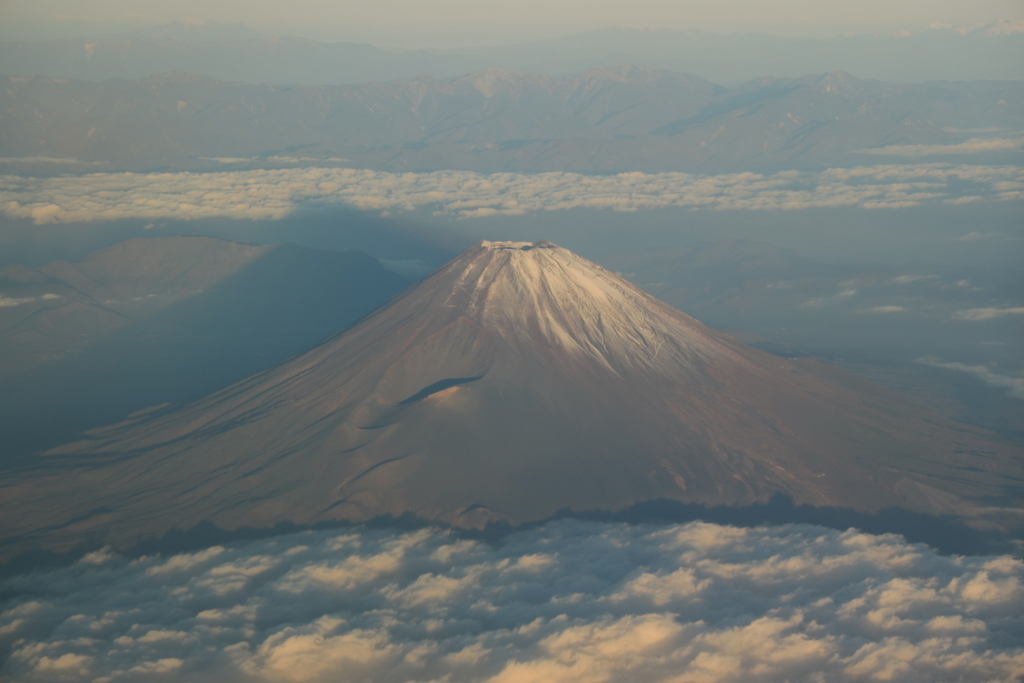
520	379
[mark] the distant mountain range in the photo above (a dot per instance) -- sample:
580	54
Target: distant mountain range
621	119
234	52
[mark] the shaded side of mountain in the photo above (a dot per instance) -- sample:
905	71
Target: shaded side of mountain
62	307
277	303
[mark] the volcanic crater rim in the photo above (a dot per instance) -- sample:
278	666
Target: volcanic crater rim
521	246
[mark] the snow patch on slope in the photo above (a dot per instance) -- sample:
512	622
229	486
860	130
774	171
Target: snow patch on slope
538	292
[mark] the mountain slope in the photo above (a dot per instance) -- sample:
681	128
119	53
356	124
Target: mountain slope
518	380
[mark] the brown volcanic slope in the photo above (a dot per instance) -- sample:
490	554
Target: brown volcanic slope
518	380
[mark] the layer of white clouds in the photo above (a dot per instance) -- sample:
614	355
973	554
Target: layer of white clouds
273	194
972	146
58	161
11	302
1014	386
570	601
886	309
988	313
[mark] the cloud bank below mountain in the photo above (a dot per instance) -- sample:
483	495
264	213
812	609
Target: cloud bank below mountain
1014	386
571	601
273	194
972	146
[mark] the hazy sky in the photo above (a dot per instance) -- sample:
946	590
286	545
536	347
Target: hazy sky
443	23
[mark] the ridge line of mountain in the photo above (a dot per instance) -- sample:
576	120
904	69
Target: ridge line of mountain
598	120
721	57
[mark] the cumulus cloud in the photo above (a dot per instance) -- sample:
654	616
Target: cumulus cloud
1014	385
284	159
966	199
821	300
228	160
571	601
988	313
972	146
10	301
59	161
907	279
999	27
272	194
975	235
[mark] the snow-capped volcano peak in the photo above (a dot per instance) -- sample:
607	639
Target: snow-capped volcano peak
518	380
537	295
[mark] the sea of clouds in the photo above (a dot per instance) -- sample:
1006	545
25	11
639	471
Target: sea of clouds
273	194
570	601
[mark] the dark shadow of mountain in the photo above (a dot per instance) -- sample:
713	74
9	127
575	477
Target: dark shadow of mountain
280	305
337	229
947	534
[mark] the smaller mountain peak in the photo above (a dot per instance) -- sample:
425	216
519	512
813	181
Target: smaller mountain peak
493	80
835	78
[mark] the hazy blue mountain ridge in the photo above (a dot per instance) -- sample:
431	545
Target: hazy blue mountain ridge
230	58
627	118
235	52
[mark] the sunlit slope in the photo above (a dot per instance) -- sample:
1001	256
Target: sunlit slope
518	380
